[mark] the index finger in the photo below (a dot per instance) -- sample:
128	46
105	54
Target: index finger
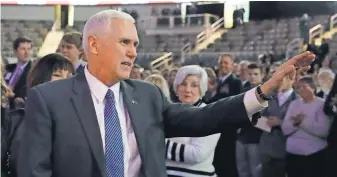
303	59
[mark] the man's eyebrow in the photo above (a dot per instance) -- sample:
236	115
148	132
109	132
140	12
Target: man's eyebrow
136	42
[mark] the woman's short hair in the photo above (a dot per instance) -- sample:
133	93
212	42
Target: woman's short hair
160	81
188	70
46	66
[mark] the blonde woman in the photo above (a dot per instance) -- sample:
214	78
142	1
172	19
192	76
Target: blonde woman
160	81
5	90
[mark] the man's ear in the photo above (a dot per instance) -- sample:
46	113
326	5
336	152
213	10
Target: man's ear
93	45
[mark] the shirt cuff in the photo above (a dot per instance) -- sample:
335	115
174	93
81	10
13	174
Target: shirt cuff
252	104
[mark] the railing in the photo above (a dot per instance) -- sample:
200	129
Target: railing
333	21
56	26
162	62
316	32
294	47
201	37
187	48
197	20
217	25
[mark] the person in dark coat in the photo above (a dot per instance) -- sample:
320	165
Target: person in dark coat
330	109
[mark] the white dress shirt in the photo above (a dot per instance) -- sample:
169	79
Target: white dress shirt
131	154
98	92
283	96
223	78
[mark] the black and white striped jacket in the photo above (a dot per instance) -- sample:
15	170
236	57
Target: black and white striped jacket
191	157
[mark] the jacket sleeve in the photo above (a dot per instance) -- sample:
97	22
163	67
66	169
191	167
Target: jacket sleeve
238	87
328	108
36	147
210	119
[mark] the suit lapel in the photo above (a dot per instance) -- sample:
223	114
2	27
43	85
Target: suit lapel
80	68
134	108
23	77
226	80
85	110
224	86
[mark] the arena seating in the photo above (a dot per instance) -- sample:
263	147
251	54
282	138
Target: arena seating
153	46
244	42
254	38
11	29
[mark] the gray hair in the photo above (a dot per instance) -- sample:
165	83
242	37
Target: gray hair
100	23
196	70
326	70
244	62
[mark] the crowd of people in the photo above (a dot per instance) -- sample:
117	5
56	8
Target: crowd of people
41	135
290	147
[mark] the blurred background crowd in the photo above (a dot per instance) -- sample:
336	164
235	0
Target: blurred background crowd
223	48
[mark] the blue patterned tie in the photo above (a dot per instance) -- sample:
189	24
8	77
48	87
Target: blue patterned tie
114	150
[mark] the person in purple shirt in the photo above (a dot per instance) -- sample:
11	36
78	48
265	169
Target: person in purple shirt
306	127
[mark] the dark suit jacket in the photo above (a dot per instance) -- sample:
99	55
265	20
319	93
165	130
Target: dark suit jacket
15	128
231	86
247	86
80	68
273	144
224	158
4	139
328	110
250	134
20	88
62	137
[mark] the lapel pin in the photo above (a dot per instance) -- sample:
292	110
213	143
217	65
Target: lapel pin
134	102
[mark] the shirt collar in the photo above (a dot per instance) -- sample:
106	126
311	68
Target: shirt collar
78	63
98	89
225	77
22	65
286	94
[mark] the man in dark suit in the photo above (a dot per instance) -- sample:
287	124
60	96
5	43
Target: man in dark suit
17	73
330	109
229	85
102	124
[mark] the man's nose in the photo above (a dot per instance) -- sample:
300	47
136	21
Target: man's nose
132	52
